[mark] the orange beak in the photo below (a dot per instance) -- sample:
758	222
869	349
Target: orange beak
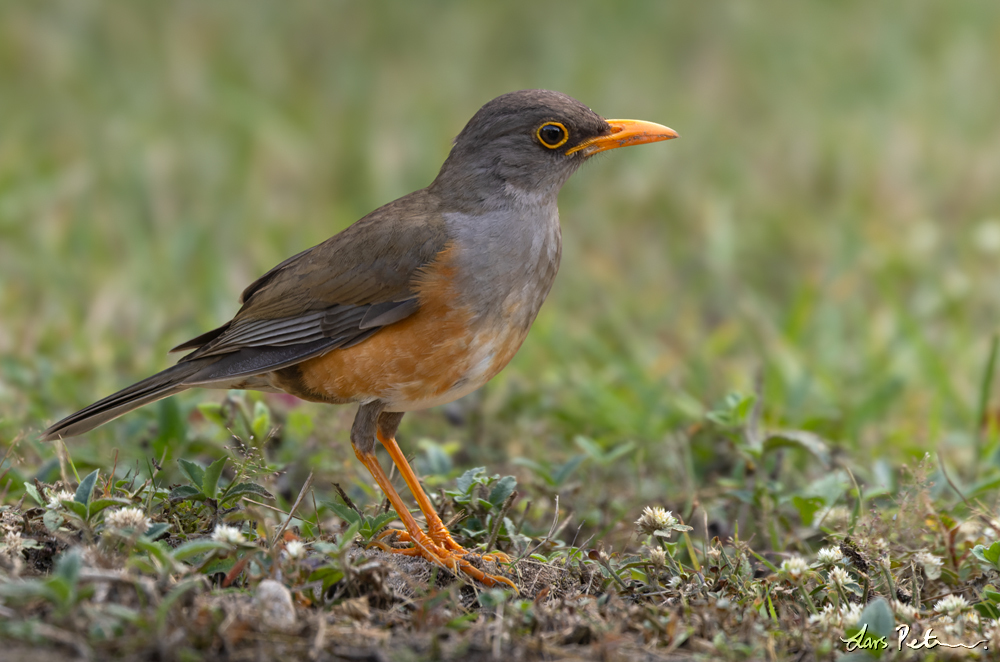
625	133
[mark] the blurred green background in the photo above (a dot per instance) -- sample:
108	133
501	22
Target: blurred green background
830	217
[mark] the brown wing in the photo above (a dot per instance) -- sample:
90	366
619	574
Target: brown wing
333	295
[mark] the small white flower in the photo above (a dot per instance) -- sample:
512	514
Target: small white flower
827	619
952	605
850	616
675	581
12	544
228	534
992	631
56	498
794	567
836	618
296	549
127	519
956	627
829	556
906	613
839	577
932	564
658	557
655	519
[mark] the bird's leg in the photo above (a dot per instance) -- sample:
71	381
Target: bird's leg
436	529
422	544
420	541
362	438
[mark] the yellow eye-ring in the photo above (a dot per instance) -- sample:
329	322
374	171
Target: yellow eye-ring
552	135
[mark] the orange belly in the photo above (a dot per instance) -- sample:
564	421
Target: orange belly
438	354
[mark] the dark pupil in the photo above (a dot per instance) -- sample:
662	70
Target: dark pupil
551	134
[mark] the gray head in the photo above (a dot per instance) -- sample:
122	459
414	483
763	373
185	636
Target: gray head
527	144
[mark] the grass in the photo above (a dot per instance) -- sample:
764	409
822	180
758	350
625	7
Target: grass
780	327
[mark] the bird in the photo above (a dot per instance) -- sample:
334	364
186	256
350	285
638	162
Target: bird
417	304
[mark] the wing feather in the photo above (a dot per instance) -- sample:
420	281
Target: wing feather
333	295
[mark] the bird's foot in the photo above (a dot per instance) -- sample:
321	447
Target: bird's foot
439	555
442	537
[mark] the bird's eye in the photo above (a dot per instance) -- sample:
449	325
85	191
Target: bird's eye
552	134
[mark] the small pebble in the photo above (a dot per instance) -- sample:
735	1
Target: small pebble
275	603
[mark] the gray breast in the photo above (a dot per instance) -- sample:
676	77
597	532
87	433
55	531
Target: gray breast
507	261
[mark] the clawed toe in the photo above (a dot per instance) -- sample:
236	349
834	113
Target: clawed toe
451	560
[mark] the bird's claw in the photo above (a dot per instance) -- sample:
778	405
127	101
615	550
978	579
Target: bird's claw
441	556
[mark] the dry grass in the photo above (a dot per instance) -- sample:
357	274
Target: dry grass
78	585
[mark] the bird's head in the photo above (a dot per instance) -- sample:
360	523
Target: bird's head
526	144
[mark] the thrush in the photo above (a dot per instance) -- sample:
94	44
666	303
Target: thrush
417	304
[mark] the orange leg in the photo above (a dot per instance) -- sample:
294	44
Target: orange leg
436	529
423	545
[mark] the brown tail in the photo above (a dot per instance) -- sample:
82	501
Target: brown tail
213	371
151	389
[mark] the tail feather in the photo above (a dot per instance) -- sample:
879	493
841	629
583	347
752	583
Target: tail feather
151	389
